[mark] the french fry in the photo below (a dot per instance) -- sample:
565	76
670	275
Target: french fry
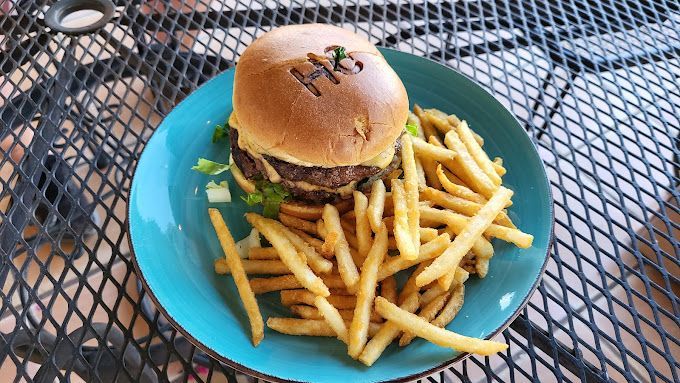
460	205
428	251
298	223
333	281
221	267
247	185
266	285
332	317
402	232
343	206
255	253
411	189
407	321
481	246
427	234
309	312
346	266
410	286
240	279
427	150
311	212
451	308
288	253
309	327
388	289
414	120
288	282
300	210
431	293
294	297
438	120
394	174
314	242
358	330
363	227
428	129
482	267
477	153
376	205
339	291
478	180
266	266
430	169
498	166
386	334
348	225
464	241
328	247
453	120
314	259
428	312
520	239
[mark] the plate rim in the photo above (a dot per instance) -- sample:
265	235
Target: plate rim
257	374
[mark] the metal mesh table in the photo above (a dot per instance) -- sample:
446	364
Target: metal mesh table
595	83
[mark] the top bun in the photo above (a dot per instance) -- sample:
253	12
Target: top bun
343	118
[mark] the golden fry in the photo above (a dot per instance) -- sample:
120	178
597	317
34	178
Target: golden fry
481	247
520	239
363	227
426	125
332	317
346	266
460	205
386	334
309	327
300	210
402	232
240	279
463	242
411	189
410	286
388	289
428	312
427	150
328	247
288	253
266	266
451	308
314	259
427	251
298	223
309	312
478	180
255	253
376	205
410	322
294	297
358	331
266	285
477	153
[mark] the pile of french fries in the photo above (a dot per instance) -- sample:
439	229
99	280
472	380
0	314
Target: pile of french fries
335	265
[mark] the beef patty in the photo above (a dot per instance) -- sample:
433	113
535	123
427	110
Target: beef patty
331	178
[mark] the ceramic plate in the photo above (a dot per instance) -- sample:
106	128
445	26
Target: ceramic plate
175	246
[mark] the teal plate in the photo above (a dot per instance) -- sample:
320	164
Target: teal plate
174	244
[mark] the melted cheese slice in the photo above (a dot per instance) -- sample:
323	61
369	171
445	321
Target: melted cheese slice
382	160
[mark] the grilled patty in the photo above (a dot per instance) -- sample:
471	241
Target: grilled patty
331	178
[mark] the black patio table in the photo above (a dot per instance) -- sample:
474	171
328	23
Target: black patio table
595	84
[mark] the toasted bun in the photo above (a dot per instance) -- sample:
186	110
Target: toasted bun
350	122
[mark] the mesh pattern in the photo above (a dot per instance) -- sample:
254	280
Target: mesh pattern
594	83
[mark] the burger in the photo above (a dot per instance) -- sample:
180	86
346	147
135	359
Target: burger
317	111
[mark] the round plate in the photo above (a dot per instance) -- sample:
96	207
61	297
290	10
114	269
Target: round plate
175	245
